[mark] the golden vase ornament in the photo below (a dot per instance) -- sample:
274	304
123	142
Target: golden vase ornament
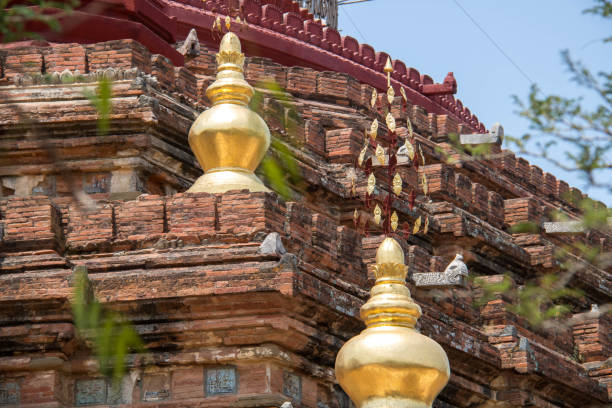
229	139
390	364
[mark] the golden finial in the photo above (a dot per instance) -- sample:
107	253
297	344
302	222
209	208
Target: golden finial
390	364
388	69
229	140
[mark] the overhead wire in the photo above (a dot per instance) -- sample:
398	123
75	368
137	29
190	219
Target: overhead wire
355	25
495	44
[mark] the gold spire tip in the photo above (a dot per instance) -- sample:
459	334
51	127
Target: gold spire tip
388	67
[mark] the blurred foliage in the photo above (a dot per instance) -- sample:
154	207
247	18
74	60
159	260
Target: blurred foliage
15	16
575	138
101	99
279	167
110	336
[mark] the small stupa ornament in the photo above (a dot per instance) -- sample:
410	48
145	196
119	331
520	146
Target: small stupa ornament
229	140
390	364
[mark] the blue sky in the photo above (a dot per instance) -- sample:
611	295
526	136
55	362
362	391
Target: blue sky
436	37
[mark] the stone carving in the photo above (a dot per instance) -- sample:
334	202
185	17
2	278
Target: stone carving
220	380
563	227
9	393
272	245
455	274
155	387
191	45
292	385
90	391
496	135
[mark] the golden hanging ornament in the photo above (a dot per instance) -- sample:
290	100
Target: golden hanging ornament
374	129
417	226
422	156
397	184
374	97
390	95
362	154
409	149
425	186
228	22
353	187
390	122
371	183
394	221
426	227
409	126
403	92
377	215
380	155
355	215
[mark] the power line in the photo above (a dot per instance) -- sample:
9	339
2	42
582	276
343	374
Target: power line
499	48
355	25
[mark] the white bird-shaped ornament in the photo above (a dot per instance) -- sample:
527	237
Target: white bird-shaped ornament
456	268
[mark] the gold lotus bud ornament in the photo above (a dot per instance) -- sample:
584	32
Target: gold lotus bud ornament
229	140
390	364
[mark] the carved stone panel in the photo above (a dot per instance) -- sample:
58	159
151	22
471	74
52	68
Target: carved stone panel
220	380
155	387
9	393
90	391
292	385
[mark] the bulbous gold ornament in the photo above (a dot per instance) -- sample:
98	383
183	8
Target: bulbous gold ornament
229	140
390	364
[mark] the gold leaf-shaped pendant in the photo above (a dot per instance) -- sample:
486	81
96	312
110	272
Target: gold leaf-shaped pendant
238	20
355	215
228	22
422	156
362	154
409	126
426	227
371	183
403	93
397	184
380	155
390	95
394	221
374	129
409	149
425	187
353	187
374	97
417	226
377	215
390	122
